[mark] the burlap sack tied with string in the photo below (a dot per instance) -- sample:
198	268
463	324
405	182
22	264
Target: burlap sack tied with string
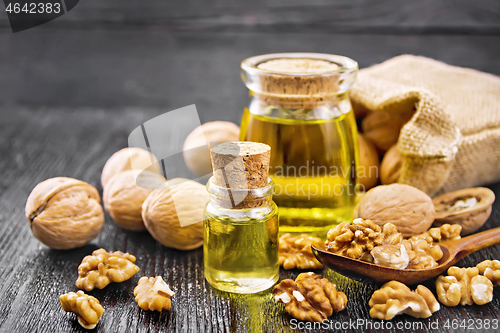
452	141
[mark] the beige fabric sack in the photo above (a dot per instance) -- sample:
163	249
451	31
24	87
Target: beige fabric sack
452	141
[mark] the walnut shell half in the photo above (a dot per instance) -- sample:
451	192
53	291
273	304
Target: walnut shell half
64	213
470	207
166	211
408	208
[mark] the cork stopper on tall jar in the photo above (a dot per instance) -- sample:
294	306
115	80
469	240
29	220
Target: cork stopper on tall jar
297	80
241	166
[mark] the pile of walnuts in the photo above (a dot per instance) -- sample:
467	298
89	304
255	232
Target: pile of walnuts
138	200
66	213
378	141
392	228
365	240
463	286
466	286
100	269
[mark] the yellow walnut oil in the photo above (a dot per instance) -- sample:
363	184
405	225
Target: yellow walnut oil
241	256
313	165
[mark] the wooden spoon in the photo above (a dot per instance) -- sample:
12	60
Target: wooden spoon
453	251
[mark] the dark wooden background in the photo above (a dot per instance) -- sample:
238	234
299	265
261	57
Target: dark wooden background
73	89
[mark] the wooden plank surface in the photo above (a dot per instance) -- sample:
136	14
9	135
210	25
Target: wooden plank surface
72	90
46	143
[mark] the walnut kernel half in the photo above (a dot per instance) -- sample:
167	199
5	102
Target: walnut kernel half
86	307
354	240
490	269
101	268
395	298
394	256
153	294
310	297
295	252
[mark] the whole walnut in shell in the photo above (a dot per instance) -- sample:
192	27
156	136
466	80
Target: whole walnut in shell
64	213
124	195
196	152
383	128
174	215
390	168
410	209
368	167
129	159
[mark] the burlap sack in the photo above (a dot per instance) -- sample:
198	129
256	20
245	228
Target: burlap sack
453	138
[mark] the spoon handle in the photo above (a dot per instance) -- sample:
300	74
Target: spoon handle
476	242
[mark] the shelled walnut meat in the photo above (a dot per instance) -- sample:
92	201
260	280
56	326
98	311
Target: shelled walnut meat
354	240
464	286
101	268
132	158
295	252
174	215
364	240
391	234
64	213
470	208
422	253
440	234
310	297
490	269
448	289
388	255
395	298
153	294
414	253
125	193
86	307
410	209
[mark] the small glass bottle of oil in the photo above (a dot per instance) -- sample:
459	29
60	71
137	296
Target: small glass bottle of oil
240	229
300	107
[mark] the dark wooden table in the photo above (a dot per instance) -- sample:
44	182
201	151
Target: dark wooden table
72	90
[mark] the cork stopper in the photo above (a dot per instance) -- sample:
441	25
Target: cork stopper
304	65
298	80
298	83
241	166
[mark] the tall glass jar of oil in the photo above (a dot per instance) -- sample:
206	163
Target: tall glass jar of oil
300	107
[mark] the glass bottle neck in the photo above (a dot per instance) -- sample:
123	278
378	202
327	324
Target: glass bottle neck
329	109
299	102
240	198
